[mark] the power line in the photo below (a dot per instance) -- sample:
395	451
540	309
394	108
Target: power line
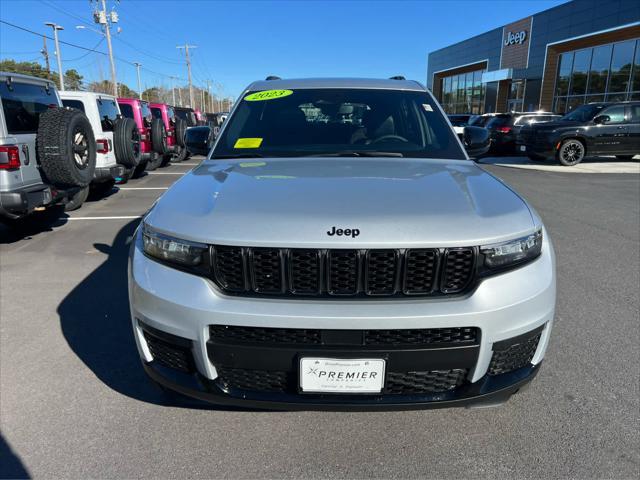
84	55
55	7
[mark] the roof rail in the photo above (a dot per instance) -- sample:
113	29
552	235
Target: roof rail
272	77
397	77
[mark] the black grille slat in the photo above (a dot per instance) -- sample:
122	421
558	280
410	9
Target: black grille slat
343	272
348	272
458	269
381	270
422	336
514	356
305	275
255	380
229	268
266	268
168	354
420	271
456	336
435	381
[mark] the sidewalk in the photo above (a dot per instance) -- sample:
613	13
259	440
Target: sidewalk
589	165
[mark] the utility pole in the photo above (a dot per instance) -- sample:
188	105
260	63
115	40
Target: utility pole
210	97
186	47
105	19
202	100
173	90
138	65
45	54
55	38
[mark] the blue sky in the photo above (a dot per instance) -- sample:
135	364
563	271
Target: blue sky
239	42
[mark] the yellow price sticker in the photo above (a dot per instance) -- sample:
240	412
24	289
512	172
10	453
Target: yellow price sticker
267	95
248	143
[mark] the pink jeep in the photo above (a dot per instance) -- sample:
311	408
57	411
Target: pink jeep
175	128
153	134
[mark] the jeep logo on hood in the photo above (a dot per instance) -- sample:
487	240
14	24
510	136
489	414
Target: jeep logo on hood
347	232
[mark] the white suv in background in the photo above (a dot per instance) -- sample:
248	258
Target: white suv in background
103	112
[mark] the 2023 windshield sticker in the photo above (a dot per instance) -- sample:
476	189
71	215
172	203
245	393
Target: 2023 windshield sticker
267	95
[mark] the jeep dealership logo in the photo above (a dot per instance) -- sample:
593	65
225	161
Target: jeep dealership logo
515	38
348	232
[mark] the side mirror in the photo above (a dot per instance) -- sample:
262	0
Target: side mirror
476	141
198	140
602	119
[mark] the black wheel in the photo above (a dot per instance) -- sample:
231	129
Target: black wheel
154	162
76	200
126	141
571	152
180	128
180	156
624	157
101	189
166	159
139	170
158	136
66	147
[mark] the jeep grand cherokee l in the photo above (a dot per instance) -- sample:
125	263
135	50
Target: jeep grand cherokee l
594	129
315	261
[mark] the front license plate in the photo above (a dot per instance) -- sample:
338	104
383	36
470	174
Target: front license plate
341	375
523	148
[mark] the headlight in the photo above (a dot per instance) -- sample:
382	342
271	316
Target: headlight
173	250
512	253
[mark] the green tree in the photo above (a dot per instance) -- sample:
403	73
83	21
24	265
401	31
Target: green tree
25	68
105	86
72	79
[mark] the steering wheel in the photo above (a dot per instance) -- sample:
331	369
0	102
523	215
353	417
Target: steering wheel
390	137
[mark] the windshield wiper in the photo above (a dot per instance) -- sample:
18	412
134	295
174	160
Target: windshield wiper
237	155
357	153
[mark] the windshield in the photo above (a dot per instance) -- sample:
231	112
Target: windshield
480	121
338	121
583	113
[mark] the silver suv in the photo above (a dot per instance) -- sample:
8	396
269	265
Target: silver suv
47	153
338	249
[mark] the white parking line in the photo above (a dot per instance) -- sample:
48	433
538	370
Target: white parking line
181	164
143	188
124	217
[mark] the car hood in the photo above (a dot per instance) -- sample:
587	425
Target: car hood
294	202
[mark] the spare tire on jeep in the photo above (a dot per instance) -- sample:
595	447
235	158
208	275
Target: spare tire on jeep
180	128
66	147
126	140
158	136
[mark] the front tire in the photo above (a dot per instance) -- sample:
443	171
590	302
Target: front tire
571	152
76	200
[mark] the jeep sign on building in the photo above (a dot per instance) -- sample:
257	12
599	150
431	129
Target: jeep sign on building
578	52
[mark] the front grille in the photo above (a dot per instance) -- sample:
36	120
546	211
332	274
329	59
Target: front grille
435	381
313	272
169	354
513	357
453	337
396	383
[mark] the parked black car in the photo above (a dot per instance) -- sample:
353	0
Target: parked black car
481	120
505	127
594	129
187	114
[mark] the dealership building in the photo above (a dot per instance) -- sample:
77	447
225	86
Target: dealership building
578	52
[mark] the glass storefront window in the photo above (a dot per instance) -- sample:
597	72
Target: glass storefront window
621	66
635	82
564	74
581	62
600	69
463	93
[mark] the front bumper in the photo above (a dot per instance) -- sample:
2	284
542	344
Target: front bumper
514	308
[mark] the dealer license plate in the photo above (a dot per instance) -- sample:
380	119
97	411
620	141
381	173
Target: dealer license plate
346	375
523	148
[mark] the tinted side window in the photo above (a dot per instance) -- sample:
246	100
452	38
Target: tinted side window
156	112
108	111
635	113
23	103
127	110
77	104
615	113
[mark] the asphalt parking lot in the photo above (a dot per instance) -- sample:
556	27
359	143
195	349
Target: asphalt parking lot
74	401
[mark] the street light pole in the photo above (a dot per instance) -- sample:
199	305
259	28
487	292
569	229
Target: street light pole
138	65
59	58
